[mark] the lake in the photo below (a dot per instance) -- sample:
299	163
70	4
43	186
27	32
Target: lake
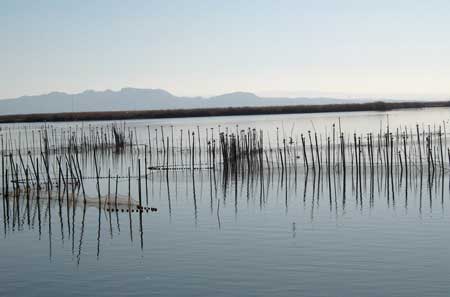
175	208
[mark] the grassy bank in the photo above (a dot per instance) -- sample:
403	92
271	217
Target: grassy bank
210	112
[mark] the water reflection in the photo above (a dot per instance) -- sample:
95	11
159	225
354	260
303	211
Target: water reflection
67	210
22	211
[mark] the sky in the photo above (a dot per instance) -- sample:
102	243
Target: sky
294	48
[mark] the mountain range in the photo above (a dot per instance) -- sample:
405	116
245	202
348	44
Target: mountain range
145	99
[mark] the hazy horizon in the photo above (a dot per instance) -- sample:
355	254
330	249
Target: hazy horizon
265	94
304	48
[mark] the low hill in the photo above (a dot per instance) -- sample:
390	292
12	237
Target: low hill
128	99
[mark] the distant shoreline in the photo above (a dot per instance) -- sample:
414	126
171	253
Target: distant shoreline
213	112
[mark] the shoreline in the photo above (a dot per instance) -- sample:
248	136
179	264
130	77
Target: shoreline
213	112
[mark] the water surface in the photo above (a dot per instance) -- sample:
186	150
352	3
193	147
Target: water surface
278	233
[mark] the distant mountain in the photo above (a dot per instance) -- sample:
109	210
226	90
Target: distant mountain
143	99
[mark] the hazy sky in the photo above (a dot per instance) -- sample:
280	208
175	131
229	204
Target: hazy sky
382	47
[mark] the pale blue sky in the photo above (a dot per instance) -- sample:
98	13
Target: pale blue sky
348	48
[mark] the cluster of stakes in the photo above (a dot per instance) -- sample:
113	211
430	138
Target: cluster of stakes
57	161
83	166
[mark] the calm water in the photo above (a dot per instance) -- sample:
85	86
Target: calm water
276	234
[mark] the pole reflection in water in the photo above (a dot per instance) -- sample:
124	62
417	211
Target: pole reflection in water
235	196
20	209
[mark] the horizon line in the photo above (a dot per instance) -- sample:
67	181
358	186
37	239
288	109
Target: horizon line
260	94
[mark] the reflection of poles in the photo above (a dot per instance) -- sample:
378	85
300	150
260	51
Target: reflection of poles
442	190
194	195
130	223
67	199
81	234
4	213
305	186
98	230
17	194
39	216
6	197
313	196
59	203
141	231
139	181
49	228
74	207
37	178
